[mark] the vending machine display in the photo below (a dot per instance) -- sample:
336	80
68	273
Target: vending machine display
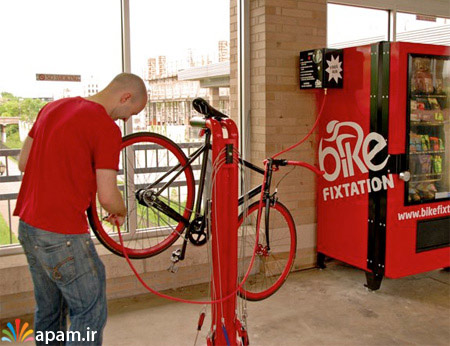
428	111
384	145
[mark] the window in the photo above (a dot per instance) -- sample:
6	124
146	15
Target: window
372	26
181	49
423	29
79	39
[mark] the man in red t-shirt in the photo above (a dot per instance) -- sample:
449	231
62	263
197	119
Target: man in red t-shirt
71	153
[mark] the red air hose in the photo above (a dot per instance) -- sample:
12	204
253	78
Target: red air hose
310	131
217	301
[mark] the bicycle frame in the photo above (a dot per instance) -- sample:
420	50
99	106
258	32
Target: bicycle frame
199	217
167	210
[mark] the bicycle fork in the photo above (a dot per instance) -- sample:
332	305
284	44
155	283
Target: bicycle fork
270	200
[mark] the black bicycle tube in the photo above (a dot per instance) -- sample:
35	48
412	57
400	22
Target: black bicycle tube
201	184
251	166
190	160
256	190
266	222
267	200
205	149
249	195
167	210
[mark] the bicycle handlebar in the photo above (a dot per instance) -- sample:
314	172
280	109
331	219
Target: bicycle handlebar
281	162
197	122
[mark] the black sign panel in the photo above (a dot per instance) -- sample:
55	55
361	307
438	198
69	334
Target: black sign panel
321	68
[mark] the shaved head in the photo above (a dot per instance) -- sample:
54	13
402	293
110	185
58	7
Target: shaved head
128	82
123	97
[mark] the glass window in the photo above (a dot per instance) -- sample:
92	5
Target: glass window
423	29
372	26
181	49
78	37
79	40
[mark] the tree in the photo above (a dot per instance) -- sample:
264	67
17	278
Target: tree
25	108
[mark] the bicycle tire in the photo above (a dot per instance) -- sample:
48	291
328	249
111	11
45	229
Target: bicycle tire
270	269
152	232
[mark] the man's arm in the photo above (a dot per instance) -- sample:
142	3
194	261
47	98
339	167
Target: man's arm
24	153
109	195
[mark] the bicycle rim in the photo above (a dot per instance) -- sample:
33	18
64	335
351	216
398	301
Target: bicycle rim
145	158
271	267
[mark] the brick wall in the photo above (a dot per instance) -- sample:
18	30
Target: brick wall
282	114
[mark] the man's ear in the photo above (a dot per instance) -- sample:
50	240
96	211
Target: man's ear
125	97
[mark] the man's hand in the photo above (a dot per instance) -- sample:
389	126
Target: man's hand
112	219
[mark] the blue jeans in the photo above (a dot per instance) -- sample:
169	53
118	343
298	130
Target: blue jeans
68	277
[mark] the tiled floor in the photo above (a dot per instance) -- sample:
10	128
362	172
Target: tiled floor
314	307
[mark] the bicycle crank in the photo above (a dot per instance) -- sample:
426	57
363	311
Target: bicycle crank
197	233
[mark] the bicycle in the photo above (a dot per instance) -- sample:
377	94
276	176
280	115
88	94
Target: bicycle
162	207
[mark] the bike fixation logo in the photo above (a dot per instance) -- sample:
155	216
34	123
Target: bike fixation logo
17	334
348	151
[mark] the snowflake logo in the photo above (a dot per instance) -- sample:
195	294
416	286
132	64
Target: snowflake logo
334	69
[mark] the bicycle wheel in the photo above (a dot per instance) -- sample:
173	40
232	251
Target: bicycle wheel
145	163
272	264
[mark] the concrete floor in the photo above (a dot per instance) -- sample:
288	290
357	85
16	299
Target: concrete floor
314	307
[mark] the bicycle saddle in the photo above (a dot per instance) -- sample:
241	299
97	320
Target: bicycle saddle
203	107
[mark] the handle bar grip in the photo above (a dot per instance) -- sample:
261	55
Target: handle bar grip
306	165
197	122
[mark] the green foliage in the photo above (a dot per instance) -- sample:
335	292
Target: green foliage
6	237
25	108
12	137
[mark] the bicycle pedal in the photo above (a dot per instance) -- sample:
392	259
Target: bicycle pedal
176	256
173	268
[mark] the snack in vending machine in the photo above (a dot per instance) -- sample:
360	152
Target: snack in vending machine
414	165
418	140
420	104
412	142
439	85
415	117
437	164
425	164
422	81
439	116
434	103
434	143
426	190
414	195
425	142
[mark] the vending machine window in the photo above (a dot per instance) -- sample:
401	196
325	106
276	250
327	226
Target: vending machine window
429	135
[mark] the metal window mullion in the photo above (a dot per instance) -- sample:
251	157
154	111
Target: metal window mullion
129	153
244	79
129	188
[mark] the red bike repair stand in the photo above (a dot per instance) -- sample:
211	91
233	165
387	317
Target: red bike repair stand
224	234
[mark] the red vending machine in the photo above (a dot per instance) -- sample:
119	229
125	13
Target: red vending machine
384	144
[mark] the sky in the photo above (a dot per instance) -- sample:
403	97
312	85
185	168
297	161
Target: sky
83	37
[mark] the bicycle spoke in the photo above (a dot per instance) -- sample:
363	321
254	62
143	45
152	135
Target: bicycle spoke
271	266
147	159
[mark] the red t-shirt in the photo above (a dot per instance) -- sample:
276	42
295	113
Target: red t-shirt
72	138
